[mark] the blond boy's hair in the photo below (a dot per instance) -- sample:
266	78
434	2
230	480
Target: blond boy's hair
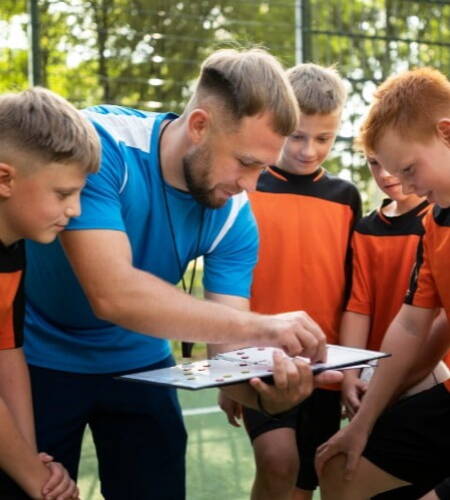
246	83
40	126
318	90
410	103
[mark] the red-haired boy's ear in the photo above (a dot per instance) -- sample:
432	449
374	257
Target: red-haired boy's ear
443	129
7	174
198	122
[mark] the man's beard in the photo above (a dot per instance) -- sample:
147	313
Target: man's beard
196	169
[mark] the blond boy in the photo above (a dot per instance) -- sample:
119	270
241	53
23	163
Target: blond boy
47	149
305	218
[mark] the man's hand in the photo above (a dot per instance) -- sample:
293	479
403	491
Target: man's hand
353	390
297	334
293	382
59	485
350	441
232	409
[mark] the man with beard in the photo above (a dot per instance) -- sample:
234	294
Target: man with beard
169	189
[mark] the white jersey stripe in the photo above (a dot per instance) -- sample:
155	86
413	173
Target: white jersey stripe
238	201
133	131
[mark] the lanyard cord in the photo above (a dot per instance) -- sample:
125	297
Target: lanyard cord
186	347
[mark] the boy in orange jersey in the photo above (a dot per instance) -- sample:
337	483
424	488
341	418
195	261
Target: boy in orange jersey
305	218
47	149
408	130
384	245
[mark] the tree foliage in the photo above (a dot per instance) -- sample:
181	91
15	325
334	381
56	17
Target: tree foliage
146	53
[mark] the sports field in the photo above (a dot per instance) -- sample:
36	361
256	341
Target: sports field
219	459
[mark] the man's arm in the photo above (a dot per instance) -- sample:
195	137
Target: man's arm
404	340
15	391
139	301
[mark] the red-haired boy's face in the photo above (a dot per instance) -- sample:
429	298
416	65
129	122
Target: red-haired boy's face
390	185
422	168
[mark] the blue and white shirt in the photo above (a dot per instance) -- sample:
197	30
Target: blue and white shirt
62	332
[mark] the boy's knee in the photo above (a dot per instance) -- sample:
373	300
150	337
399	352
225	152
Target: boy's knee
331	480
278	467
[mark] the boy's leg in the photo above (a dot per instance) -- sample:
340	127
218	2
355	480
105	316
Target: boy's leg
140	439
276	455
367	481
319	419
409	444
62	403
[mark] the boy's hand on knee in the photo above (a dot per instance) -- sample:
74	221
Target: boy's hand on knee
231	408
59	485
353	391
349	441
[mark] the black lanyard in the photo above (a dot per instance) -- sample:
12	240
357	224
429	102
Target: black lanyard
186	347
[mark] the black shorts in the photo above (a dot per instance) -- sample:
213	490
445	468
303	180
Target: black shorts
411	439
9	490
316	420
442	490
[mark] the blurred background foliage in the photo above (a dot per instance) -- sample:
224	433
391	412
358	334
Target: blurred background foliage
147	53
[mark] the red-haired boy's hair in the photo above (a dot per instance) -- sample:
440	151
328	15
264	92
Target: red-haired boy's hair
410	104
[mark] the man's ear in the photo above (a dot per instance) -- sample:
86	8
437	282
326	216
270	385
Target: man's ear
199	121
443	130
7	176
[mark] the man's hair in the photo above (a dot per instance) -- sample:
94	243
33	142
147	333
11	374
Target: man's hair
410	103
317	89
40	124
247	83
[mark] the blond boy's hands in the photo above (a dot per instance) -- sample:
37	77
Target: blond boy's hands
59	485
231	408
352	392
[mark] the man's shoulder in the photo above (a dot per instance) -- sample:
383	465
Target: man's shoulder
126	126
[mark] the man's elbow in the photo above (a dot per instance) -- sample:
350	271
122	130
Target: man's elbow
105	306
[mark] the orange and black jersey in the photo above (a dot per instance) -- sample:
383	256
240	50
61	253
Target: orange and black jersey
430	281
12	264
305	224
384	250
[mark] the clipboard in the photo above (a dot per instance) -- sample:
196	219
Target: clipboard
238	366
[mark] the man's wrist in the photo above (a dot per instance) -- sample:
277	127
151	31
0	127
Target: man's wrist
273	416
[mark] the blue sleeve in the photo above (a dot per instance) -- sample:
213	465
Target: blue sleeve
100	198
229	267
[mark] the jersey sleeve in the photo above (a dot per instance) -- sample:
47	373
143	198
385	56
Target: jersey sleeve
229	265
100	198
422	291
360	300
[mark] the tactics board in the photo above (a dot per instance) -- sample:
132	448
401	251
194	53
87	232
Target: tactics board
243	364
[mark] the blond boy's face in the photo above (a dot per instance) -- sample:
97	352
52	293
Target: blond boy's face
422	168
40	204
308	147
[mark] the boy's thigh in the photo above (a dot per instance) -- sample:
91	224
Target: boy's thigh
411	440
319	419
257	424
9	490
